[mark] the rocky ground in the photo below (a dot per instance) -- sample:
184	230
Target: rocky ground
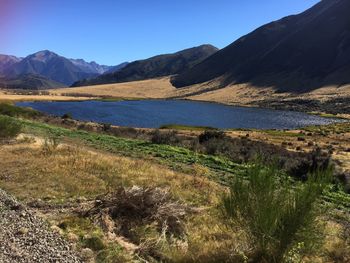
26	238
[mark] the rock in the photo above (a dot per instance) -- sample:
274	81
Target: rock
23	231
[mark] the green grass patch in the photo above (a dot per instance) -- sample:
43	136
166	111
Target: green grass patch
14	111
186	127
173	156
282	133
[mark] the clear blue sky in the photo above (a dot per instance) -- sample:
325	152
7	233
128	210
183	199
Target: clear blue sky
113	31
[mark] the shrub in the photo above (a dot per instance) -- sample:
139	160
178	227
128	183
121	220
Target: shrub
159	137
211	134
67	116
140	206
106	127
9	128
273	211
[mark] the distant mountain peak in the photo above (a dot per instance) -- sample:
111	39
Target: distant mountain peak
43	55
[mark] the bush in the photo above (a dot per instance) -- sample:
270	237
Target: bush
275	213
9	128
211	134
67	116
159	137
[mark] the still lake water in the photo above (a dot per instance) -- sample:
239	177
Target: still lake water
154	113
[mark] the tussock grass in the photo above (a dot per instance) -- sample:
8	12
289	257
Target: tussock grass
70	172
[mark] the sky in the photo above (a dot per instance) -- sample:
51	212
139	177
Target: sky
113	31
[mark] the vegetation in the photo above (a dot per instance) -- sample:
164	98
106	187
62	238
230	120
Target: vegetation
67	116
9	128
185	127
275	213
14	111
161	199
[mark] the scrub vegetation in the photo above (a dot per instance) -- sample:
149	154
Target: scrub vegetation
165	196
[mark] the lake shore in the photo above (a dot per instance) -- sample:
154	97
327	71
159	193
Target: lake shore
327	100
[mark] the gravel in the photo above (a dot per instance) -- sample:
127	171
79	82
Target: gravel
25	237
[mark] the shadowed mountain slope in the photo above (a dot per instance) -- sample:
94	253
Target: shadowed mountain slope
158	66
297	53
29	82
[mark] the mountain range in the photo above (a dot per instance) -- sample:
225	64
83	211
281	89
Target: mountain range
158	66
297	53
46	69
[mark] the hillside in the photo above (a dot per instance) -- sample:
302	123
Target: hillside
297	53
29	82
54	67
158	66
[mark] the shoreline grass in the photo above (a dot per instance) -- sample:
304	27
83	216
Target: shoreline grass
186	127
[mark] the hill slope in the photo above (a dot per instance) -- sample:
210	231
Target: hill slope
297	53
158	66
55	67
28	81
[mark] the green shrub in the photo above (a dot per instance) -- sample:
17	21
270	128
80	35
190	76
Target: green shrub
9	128
275	212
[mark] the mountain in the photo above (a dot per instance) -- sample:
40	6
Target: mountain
158	66
7	61
90	67
54	67
28	81
114	69
297	53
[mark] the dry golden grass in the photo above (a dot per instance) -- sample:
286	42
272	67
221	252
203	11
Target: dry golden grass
14	97
161	88
246	94
61	175
152	88
29	170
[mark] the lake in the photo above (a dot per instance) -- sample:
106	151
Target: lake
154	113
